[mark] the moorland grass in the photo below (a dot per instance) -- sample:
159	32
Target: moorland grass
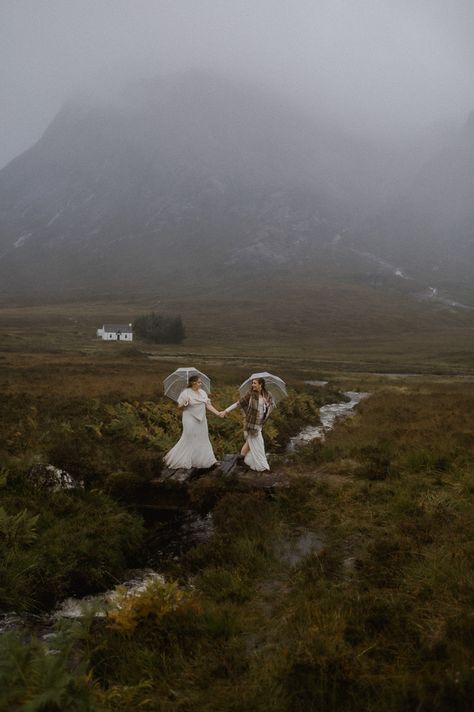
376	611
377	616
315	325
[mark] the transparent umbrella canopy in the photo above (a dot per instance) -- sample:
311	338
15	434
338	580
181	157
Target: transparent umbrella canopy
274	384
178	381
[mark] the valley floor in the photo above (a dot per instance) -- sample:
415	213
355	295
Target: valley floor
291	321
350	589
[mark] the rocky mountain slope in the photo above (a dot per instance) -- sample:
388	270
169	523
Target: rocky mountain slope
192	182
181	178
428	231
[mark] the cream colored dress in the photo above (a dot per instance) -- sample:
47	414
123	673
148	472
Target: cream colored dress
193	449
256	458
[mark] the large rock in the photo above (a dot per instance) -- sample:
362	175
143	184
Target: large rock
53	478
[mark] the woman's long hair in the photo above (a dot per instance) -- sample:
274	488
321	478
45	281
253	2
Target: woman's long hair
264	391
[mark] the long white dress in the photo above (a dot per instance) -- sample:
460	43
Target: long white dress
255	458
193	449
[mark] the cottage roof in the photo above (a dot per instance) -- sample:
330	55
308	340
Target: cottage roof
118	327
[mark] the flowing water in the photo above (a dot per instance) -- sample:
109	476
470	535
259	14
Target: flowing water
177	532
174	533
328	415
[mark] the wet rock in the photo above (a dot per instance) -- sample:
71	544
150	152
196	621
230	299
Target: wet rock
261	480
179	476
228	464
53	478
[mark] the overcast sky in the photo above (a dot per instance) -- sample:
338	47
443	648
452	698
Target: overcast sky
377	66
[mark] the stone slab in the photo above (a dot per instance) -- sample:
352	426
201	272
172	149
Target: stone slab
177	476
228	464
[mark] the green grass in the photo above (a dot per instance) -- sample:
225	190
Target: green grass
315	325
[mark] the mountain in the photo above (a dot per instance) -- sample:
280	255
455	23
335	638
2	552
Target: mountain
174	182
196	186
428	231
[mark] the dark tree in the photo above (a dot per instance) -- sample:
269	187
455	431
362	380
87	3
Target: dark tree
160	329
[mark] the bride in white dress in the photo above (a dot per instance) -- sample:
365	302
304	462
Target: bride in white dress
193	449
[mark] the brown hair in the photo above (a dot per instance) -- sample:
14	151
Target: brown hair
192	379
262	383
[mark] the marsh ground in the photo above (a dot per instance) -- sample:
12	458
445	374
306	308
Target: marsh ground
351	589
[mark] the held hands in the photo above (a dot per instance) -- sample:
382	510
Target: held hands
222	414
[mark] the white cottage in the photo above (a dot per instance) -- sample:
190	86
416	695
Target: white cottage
115	332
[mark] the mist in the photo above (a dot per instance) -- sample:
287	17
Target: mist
385	69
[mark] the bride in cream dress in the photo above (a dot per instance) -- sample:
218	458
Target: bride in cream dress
193	449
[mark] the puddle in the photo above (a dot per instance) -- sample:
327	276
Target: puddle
292	551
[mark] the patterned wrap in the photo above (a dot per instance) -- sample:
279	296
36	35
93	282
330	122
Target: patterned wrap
249	404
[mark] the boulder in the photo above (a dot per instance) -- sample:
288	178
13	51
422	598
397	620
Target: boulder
53	478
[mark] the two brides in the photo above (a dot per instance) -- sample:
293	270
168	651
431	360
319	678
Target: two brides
194	449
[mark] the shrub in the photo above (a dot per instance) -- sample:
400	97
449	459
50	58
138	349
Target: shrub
160	329
157	601
34	680
376	463
17	560
66	543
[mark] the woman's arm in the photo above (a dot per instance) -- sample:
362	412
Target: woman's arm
183	399
242	403
210	407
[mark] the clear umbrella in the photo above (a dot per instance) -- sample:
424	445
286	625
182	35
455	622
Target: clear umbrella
178	381
274	384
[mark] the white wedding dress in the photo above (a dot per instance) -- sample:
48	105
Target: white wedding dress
256	458
193	449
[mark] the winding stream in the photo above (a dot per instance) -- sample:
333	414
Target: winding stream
177	534
328	415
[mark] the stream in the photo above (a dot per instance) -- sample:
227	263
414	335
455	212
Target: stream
177	532
328	415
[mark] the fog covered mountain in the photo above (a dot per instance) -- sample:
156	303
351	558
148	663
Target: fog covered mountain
191	178
428	230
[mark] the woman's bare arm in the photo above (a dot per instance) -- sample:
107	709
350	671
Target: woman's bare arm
210	407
